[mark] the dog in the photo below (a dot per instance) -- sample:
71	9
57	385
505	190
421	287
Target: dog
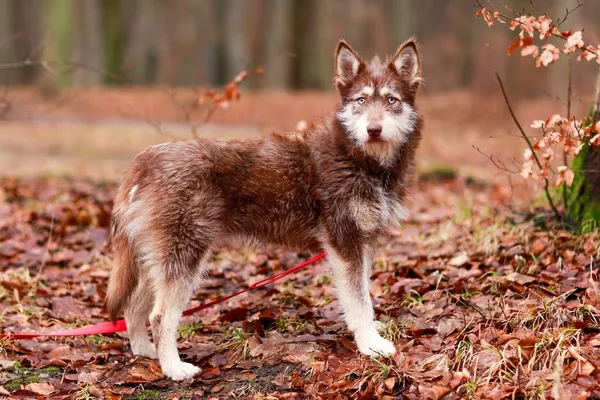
336	185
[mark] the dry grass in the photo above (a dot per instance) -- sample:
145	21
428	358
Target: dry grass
534	359
235	340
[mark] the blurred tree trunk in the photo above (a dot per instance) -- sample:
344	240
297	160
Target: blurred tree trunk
140	52
256	25
205	43
6	46
402	19
233	41
584	194
89	43
58	26
172	40
115	28
313	44
465	38
278	43
25	36
356	11
556	77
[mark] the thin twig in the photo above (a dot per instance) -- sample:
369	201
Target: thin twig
497	163
50	67
588	48
38	276
535	157
569	12
597	104
569	95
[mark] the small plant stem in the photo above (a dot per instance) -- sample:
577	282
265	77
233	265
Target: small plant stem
569	95
597	105
535	157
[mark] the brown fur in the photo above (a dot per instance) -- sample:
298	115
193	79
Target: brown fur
178	200
124	276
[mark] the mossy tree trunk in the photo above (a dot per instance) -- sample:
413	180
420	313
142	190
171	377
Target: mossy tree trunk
584	195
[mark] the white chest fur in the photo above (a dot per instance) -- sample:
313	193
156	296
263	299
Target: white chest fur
385	210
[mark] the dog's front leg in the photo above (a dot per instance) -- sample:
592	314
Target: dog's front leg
351	276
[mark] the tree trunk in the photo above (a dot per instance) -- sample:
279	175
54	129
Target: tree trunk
26	36
313	46
278	43
206	39
584	194
115	40
234	43
172	46
141	52
58	43
89	43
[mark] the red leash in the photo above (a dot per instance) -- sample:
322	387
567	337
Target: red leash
120	325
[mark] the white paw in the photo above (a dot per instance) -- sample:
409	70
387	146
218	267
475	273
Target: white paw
180	371
373	345
144	349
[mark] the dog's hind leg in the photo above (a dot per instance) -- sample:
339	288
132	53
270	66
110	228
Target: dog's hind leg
173	286
351	276
136	316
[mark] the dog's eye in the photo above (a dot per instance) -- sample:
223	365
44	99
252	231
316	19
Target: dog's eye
392	100
361	100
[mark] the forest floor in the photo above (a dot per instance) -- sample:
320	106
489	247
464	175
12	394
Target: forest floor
481	291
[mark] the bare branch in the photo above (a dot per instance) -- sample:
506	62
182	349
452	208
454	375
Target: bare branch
497	163
535	157
569	12
589	49
19	64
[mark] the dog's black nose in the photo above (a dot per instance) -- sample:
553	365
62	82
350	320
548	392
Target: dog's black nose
374	129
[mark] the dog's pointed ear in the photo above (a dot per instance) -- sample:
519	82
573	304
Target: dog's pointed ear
347	63
406	62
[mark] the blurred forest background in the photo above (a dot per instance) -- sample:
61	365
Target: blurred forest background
125	74
207	42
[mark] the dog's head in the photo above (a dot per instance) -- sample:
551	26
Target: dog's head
378	99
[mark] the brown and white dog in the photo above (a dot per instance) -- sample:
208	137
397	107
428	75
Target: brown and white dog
336	185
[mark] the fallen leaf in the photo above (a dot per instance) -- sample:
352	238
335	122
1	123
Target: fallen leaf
390	383
41	388
6	365
460	259
519	278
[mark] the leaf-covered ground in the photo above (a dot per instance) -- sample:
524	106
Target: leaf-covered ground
481	299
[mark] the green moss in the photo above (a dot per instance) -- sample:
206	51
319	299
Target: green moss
51	370
437	173
581	208
145	394
15	384
148	394
26	376
188	331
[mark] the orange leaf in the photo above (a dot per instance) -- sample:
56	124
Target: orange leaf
514	45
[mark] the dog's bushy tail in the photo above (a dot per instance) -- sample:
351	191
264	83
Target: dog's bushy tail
124	276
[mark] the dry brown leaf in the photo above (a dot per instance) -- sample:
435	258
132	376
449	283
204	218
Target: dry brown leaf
41	388
390	383
433	392
460	259
519	278
143	373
